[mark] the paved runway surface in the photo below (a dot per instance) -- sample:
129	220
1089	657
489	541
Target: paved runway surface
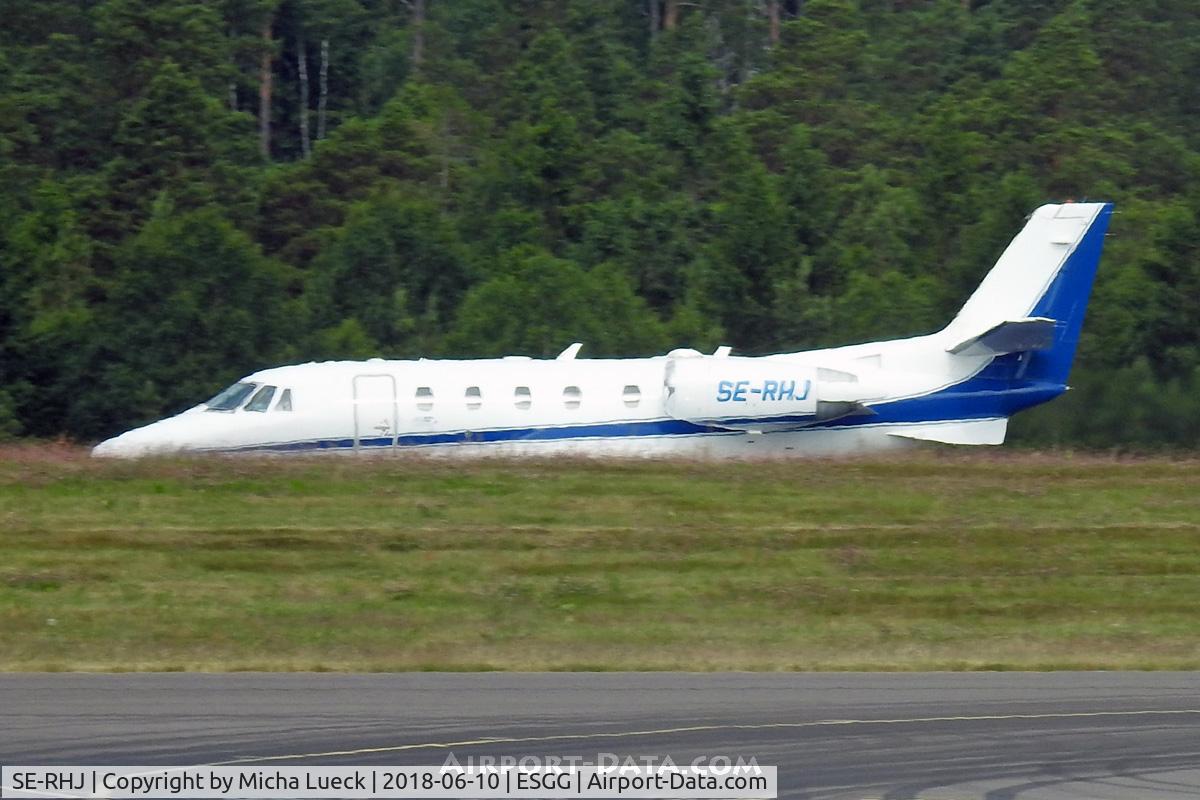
940	735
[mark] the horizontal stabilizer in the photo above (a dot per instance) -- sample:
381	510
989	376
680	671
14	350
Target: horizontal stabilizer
1014	336
970	431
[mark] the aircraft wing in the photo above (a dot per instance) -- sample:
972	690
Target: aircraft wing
969	431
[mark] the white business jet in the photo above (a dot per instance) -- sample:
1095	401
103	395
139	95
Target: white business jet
1009	348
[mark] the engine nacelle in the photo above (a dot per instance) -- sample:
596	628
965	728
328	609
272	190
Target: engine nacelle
761	393
704	390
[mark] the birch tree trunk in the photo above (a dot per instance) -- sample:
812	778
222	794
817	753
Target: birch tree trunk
418	33
324	89
264	92
302	64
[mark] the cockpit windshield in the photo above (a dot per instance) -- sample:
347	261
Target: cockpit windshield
262	399
231	398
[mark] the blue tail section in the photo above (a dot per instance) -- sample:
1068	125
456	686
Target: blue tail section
1041	375
1066	302
1020	380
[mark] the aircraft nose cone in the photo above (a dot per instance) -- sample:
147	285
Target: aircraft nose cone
112	448
156	438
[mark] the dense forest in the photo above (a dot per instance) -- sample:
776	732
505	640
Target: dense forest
194	189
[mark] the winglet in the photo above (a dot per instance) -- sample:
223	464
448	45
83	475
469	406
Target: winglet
570	353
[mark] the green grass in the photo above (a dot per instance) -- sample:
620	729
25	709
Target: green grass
939	561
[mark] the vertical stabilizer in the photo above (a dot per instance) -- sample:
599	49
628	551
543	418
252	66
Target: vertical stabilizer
1046	273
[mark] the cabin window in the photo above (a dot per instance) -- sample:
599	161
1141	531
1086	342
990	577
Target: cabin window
632	396
474	398
231	398
522	397
572	397
424	398
262	399
285	401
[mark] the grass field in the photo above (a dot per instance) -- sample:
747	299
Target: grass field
939	561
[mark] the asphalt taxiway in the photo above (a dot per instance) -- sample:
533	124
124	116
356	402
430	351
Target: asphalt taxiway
846	735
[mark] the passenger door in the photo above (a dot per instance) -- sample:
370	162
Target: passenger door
374	411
